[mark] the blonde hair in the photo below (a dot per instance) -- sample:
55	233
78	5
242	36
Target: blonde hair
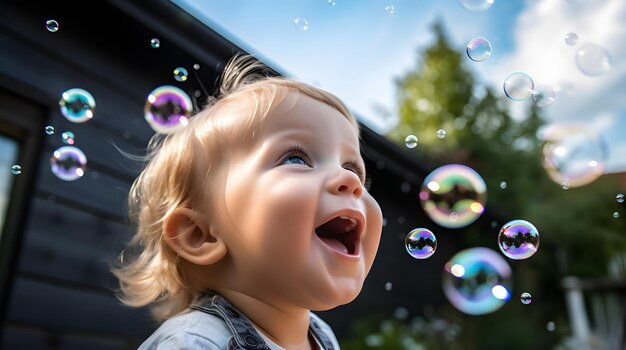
178	164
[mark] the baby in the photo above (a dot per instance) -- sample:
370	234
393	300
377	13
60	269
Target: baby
250	217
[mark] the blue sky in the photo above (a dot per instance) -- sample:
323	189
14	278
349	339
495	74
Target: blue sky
356	50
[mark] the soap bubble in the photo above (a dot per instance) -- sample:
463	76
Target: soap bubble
390	10
388	286
476	5
420	243
477	281
77	105
16	169
616	215
543	96
518	239
453	195
410	141
52	25
619	198
550	326
196	66
49	130
573	154
331	2
181	74
167	109
518	86
155	43
478	49
68	163
301	24
593	60
526	298
565	185
503	185
67	137
571	38
441	134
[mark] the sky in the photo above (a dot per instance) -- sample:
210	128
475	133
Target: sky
357	49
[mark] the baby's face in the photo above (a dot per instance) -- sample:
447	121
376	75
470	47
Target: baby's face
299	225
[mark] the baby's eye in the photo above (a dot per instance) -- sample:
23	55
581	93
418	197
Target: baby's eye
294	159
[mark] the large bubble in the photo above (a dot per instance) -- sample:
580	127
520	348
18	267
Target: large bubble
477	281
518	86
167	109
420	243
77	105
68	163
518	239
478	49
593	60
453	195
573	154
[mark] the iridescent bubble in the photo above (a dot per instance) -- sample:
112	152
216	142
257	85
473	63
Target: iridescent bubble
453	195
573	154
543	96
420	243
503	185
616	215
331	2
518	86
526	298
155	43
476	5
410	141
167	109
477	281
67	137
301	24
52	25
478	49
593	60
181	74
550	326
619	198
16	169
49	130
441	134
68	163
77	105
571	38
390	9
518	239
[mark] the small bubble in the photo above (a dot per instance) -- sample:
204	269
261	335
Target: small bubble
331	2
550	326
68	163
478	49
390	9
503	185
526	298
52	25
571	39
155	43
476	5
565	185
619	198
180	74
518	86
197	93
441	133
543	96
518	239
301	24
68	137
196	66
16	169
77	105
49	129
384	222
420	243
388	286
615	215
410	141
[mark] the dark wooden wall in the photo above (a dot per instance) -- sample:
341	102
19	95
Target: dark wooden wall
61	292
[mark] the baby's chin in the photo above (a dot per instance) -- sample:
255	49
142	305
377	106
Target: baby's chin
335	298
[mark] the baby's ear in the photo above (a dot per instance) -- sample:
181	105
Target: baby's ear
188	233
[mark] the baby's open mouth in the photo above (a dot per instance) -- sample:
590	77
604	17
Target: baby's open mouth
340	233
